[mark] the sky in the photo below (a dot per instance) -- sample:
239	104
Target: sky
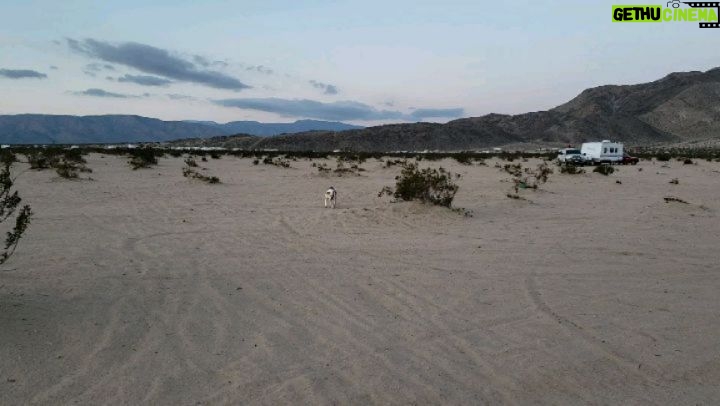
363	62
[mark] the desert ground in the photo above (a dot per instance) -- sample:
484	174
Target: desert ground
145	287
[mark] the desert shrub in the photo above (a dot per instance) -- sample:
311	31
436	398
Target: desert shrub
73	155
514	170
463	158
674	199
394	162
341	169
191	162
323	168
387	190
7	157
428	185
191	173
604	169
278	161
40	160
67	170
142	158
526	178
542	172
9	203
571	169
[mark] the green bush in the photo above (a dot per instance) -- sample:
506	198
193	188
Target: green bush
428	185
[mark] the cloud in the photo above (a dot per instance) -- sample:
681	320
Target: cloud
22	74
204	62
175	96
97	67
328	89
144	80
437	113
93	67
102	93
261	69
200	60
340	110
156	61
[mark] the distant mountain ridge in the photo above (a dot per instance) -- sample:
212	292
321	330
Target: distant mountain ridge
680	108
66	129
270	129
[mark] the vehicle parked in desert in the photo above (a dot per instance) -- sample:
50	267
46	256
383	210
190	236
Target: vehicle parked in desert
570	156
603	152
630	160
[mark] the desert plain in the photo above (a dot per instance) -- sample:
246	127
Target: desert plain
145	287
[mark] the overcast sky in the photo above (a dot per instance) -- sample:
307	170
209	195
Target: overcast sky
363	62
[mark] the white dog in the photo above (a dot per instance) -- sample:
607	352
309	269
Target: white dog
331	197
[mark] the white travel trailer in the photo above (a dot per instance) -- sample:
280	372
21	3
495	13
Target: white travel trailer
602	152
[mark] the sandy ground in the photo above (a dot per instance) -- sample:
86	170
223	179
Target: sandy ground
142	287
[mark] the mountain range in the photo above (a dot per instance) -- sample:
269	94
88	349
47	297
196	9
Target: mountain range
681	108
270	129
59	129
